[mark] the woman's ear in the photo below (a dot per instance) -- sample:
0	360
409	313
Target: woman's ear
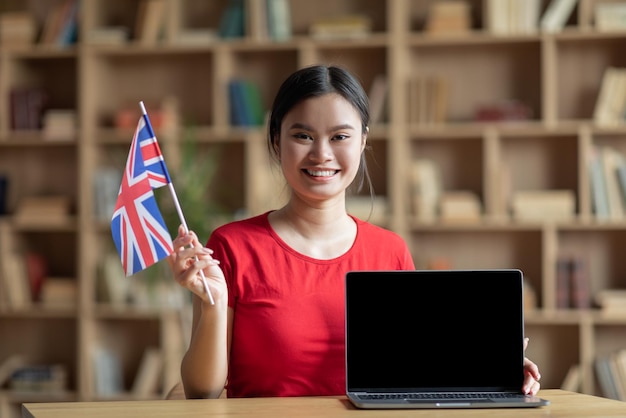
276	146
364	138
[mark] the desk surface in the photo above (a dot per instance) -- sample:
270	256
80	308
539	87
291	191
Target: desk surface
563	404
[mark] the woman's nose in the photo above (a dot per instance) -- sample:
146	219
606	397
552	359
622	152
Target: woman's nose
320	151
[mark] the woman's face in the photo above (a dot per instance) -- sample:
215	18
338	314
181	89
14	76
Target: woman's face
320	147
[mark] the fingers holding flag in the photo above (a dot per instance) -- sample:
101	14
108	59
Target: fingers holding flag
188	259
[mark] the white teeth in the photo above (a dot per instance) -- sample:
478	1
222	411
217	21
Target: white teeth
324	173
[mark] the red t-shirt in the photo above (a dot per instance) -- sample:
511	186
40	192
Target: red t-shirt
288	328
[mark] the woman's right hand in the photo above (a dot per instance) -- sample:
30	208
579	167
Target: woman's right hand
188	259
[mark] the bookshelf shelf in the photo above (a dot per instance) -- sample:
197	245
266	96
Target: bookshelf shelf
553	79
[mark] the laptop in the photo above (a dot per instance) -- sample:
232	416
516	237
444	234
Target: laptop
435	339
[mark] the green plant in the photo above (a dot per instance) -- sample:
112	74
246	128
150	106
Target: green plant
193	176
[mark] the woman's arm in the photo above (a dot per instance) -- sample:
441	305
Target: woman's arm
204	367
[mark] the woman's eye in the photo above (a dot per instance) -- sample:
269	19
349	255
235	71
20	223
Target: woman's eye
340	137
302	136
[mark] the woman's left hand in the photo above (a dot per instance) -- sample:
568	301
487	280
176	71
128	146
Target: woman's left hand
531	375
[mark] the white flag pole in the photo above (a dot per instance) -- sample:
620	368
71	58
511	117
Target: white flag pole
170	185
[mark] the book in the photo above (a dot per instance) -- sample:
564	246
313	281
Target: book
13	270
573	379
610	16
580	283
195	37
37	273
106	184
59	125
605	377
253	103
17	29
611	300
362	207
562	283
111	35
27	105
9	365
150	21
4	194
611	100
616	372
378	98
460	206
619	357
352	26
506	110
238	113
621	178
450	16
59	292
599	196
543	205
428	99
113	285
425	183
556	15
61	25
42	210
610	163
232	21
147	379
256	19
107	367
39	378
573	287
279	19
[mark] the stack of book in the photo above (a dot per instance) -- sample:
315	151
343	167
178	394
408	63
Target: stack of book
460	206
449	17
270	19
611	374
341	27
428	99
513	16
47	378
573	287
610	16
59	125
27	105
543	205
61	25
43	210
612	300
17	29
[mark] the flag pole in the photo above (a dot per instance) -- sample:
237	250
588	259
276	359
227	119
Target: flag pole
170	185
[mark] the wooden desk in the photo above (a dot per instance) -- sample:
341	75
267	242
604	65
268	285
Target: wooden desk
563	404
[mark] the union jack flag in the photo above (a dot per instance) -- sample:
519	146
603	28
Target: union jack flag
138	228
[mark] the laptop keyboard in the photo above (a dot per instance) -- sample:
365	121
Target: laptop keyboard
437	395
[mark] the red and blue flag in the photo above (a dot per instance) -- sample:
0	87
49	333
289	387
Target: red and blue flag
138	228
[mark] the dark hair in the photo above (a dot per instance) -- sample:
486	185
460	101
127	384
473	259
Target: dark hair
315	81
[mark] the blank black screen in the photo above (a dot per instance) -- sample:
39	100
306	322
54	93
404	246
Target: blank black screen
434	329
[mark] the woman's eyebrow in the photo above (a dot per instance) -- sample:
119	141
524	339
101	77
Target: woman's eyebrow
299	125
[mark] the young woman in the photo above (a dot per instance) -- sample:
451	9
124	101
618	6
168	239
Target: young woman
277	325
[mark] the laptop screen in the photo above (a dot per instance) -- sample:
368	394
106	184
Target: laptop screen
434	330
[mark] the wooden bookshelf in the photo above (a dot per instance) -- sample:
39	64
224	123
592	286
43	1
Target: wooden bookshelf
545	83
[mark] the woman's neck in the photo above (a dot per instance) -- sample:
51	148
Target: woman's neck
323	232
